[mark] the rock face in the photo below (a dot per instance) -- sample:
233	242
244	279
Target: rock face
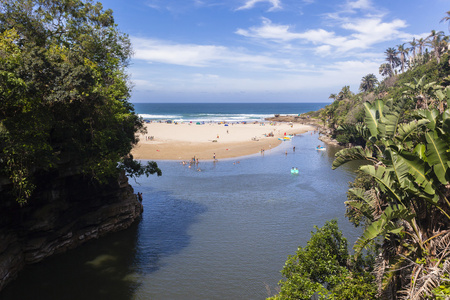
64	213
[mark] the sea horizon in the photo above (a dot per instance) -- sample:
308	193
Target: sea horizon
219	112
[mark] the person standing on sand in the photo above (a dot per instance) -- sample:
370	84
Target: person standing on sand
214	156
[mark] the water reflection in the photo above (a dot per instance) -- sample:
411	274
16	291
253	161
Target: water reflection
112	267
98	270
163	229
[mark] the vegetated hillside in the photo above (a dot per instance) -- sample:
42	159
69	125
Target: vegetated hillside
347	107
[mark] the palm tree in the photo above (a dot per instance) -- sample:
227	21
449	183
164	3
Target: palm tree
386	70
368	83
345	93
437	42
332	96
402	52
421	44
391	57
414	45
447	18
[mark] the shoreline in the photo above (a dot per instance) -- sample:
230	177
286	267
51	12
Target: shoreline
184	141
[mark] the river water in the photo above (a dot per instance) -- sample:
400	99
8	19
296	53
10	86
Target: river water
221	233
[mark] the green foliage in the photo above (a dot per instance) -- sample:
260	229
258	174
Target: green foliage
442	292
323	268
64	96
361	204
409	164
134	168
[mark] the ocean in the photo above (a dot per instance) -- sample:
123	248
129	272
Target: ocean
219	112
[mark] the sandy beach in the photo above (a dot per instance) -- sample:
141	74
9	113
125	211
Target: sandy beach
183	141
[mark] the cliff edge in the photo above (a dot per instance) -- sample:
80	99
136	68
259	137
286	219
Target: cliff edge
65	212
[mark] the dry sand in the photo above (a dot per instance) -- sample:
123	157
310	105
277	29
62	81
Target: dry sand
183	141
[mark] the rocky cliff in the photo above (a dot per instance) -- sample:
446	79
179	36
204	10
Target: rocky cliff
65	212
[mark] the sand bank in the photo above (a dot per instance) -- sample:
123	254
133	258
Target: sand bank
183	141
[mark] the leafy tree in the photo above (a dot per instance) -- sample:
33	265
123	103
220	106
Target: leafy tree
323	267
64	96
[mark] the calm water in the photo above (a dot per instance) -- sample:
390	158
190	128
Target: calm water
221	111
223	233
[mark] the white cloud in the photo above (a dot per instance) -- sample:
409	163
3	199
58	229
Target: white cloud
360	4
192	55
155	51
269	31
276	4
363	33
323	50
371	31
283	33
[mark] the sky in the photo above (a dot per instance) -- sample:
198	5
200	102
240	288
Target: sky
264	50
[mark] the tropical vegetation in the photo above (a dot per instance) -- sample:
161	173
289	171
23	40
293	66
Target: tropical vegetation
400	132
64	94
326	269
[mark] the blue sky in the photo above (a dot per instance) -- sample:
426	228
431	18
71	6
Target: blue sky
264	50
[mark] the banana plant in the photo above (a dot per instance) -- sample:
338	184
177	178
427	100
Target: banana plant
410	163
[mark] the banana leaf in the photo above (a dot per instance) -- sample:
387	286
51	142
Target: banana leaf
392	121
384	225
365	204
405	131
371	119
417	168
437	156
400	169
383	177
430	115
351	154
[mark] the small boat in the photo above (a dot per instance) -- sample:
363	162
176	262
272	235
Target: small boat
321	148
294	171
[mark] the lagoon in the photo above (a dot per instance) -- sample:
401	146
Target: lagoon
222	233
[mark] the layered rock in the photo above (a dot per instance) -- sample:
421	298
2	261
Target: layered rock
65	212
